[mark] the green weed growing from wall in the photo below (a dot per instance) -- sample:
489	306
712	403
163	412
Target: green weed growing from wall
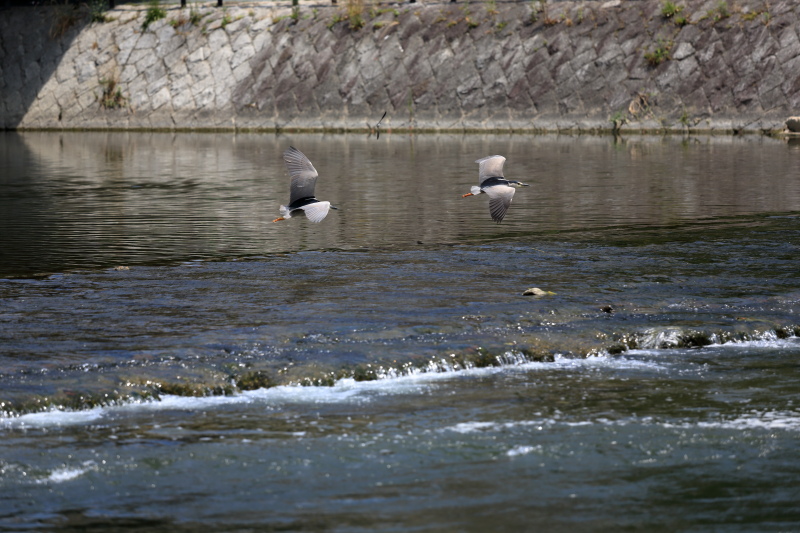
154	12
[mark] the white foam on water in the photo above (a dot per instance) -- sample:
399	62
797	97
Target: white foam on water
779	420
343	391
672	357
473	427
789	421
169	402
53	417
488	427
664	340
68	473
64	474
769	340
522	450
606	361
769	420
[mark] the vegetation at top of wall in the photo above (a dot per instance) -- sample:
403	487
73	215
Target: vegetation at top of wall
227	18
471	23
64	16
670	9
295	15
97	11
154	12
336	19
721	11
752	15
469	19
194	18
355	13
540	7
376	12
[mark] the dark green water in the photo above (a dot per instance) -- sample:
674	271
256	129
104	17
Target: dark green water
156	328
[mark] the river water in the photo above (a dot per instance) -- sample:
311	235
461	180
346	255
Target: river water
172	360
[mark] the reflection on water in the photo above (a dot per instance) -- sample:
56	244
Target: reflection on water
83	200
660	382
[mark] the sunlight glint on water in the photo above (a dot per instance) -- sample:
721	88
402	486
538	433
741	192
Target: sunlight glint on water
156	331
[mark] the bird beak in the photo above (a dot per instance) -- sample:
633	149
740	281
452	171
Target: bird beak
524	185
334	207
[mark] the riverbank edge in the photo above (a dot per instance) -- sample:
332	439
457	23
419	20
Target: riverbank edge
673	132
255	103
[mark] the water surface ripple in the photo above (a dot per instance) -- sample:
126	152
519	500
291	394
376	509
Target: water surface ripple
172	360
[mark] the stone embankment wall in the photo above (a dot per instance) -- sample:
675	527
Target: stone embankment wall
525	66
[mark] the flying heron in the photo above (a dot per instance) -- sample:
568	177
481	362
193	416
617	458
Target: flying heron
301	195
499	190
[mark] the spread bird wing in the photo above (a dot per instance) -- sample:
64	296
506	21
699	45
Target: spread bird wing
490	167
499	200
317	211
303	174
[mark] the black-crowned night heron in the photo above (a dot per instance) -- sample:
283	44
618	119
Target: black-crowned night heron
499	190
301	191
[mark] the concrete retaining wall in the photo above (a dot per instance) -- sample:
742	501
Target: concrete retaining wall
731	66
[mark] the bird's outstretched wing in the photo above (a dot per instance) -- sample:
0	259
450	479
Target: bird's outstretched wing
490	167
304	175
317	211
499	200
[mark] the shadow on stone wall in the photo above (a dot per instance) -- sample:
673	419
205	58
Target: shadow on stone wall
589	65
586	66
33	42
